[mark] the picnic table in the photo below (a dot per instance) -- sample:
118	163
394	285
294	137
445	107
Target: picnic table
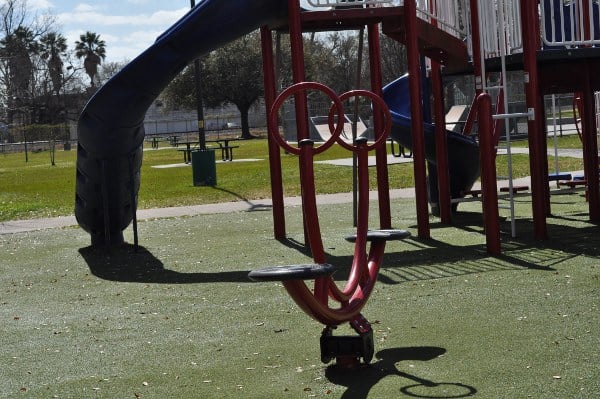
155	140
223	145
187	151
174	140
226	149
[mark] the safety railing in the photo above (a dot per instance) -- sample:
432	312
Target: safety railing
570	23
342	3
500	27
451	16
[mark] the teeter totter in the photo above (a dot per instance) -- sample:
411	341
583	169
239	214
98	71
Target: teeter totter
326	302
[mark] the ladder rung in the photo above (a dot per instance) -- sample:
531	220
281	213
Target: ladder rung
493	88
513	115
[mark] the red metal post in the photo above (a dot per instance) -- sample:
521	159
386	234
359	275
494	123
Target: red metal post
274	153
590	148
590	142
441	144
489	187
298	74
477	68
476	45
537	139
385	218
416	112
587	24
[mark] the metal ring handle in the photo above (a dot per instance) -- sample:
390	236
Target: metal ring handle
295	88
378	102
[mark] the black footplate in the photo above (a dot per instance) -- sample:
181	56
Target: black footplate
292	272
385	234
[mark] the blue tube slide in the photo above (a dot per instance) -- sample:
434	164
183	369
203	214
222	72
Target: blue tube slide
111	126
463	151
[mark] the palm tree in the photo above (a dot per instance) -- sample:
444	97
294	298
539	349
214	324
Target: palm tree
17	48
53	46
92	50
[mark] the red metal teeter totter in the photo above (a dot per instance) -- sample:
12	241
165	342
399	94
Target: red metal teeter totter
326	302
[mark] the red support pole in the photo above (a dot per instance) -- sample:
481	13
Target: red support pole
587	21
537	137
298	74
590	142
489	189
300	101
441	144
274	153
385	218
416	112
476	44
590	148
441	141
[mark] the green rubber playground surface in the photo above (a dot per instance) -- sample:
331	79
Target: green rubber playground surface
180	319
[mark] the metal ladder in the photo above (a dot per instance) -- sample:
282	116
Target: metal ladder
494	42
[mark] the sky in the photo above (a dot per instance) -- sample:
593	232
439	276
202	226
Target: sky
127	26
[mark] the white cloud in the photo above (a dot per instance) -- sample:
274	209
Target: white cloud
129	46
39	5
84	8
127	28
120	46
85	14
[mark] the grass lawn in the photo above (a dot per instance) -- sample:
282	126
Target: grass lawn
36	189
180	319
571	141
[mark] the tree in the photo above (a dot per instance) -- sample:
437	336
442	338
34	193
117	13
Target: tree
21	77
93	51
393	59
231	74
17	49
343	66
52	48
110	69
318	57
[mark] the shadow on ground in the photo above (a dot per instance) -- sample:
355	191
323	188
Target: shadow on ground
125	263
441	259
252	207
420	259
360	381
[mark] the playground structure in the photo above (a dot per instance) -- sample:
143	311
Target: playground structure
457	36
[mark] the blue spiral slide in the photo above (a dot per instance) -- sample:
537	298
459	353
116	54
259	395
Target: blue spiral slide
111	127
463	151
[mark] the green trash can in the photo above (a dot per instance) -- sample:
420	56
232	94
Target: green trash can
204	168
